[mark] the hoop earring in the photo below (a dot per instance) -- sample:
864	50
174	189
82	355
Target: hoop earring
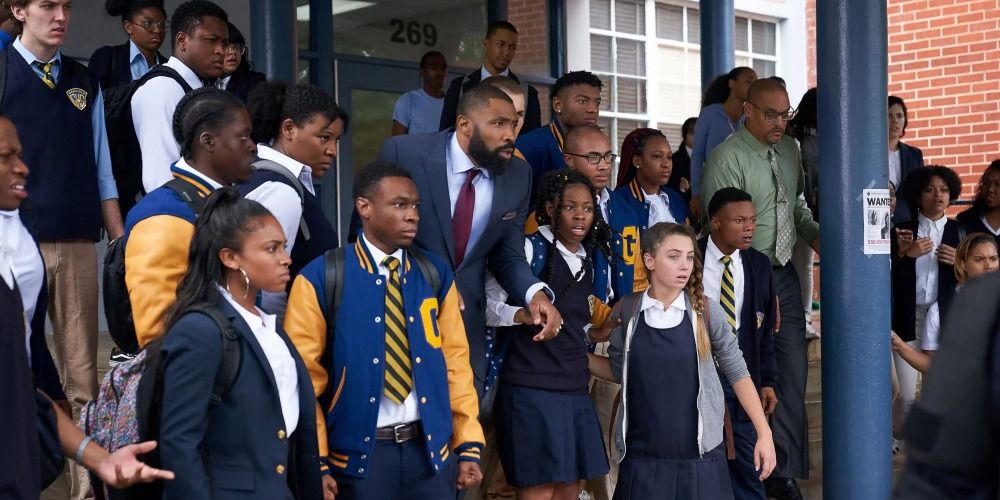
246	281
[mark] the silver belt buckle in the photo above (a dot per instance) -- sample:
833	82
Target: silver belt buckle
395	433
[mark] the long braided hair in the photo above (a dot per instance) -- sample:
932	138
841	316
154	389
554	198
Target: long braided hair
695	289
633	145
553	186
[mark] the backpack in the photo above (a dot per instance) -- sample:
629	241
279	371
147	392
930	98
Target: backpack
290	180
117	307
128	404
126	155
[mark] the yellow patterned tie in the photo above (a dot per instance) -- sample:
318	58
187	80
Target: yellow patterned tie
398	371
727	292
47	78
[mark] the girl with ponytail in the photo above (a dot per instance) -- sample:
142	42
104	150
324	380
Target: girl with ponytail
255	438
668	352
145	22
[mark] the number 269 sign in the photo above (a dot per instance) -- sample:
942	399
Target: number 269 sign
413	32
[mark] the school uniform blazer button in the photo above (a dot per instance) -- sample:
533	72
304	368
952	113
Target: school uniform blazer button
368	439
432	454
364	457
374	361
372	401
378	319
428	437
361	470
280	469
281	433
418	360
423	400
411	319
378	282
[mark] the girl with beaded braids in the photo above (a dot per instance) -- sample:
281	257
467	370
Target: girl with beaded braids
670	435
646	164
213	130
548	434
297	128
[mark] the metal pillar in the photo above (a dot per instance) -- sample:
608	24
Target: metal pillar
718	23
272	28
557	38
852	57
321	38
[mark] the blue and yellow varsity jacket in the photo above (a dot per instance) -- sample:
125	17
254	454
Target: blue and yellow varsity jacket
629	273
542	148
158	233
635	198
348	375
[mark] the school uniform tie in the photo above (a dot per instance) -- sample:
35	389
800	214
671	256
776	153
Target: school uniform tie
727	292
398	371
461	221
46	69
785	236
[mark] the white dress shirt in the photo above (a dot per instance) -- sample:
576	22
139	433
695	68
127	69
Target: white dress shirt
712	275
21	262
602	201
153	107
499	313
484	73
459	164
994	230
927	264
390	413
182	165
659	316
286	375
894	167
659	208
932	328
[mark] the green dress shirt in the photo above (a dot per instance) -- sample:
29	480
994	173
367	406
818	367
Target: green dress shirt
741	162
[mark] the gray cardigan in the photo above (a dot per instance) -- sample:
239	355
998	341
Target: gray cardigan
711	400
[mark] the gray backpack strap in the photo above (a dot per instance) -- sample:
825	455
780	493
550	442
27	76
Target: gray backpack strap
296	184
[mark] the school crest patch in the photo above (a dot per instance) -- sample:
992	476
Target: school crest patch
78	97
760	319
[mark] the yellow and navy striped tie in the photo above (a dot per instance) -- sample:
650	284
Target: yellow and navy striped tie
727	293
398	371
47	78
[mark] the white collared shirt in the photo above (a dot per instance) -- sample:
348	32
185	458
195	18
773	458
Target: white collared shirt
894	167
281	199
390	413
137	63
286	375
927	264
712	275
153	107
689	150
484	73
21	262
602	201
182	164
659	208
659	316
994	230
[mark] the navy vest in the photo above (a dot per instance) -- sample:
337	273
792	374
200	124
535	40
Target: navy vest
322	235
58	140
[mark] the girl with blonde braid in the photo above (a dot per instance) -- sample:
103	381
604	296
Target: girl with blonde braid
664	353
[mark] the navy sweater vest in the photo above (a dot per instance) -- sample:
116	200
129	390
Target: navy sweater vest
58	141
322	235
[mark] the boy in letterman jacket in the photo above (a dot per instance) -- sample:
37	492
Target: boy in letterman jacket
397	412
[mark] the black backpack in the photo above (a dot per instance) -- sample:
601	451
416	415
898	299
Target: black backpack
126	155
117	307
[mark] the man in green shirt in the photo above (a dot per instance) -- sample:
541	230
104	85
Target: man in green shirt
759	159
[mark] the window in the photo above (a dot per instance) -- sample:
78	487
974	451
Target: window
648	54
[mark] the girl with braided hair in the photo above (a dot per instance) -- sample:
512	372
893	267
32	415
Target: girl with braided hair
646	164
673	432
548	433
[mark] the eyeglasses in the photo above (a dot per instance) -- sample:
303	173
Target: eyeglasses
772	116
238	48
149	24
595	158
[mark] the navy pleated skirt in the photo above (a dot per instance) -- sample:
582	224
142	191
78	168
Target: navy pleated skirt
706	478
548	437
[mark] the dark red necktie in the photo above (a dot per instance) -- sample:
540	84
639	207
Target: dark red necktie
461	221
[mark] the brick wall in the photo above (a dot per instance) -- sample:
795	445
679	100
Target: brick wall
944	61
531	18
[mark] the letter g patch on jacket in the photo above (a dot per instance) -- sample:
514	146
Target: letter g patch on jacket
630	244
78	98
428	316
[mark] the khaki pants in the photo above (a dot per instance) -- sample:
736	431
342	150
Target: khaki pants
71	277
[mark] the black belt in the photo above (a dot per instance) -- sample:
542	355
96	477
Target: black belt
398	433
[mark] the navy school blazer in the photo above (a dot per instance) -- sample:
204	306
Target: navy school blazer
239	449
910	158
904	277
757	317
501	246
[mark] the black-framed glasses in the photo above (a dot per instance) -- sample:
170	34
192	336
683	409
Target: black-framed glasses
238	48
595	158
149	24
772	116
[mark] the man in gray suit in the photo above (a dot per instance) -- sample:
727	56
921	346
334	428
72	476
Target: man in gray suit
474	199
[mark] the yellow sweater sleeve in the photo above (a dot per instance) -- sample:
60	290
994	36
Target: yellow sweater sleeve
156	258
461	387
306	327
